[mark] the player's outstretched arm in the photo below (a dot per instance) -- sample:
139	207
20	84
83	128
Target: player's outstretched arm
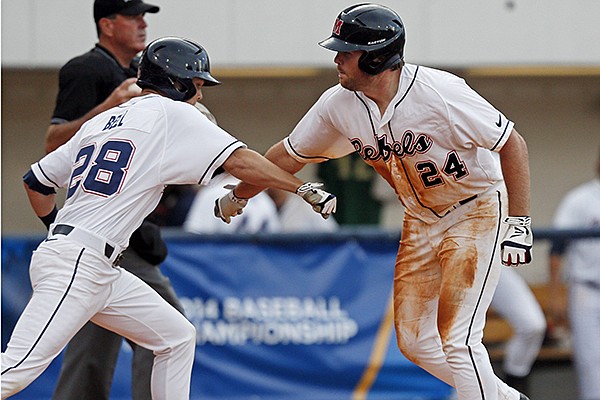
257	173
251	167
279	156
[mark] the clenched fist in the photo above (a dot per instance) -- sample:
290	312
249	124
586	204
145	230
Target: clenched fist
229	206
321	201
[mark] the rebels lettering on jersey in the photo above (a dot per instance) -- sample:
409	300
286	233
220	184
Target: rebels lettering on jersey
408	145
436	144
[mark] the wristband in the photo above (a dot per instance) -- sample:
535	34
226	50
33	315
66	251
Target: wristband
238	200
49	219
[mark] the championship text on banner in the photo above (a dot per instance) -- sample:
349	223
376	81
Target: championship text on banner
277	318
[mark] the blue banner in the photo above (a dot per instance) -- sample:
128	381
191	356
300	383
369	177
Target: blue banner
277	317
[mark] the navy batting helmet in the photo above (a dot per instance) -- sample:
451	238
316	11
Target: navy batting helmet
377	30
169	64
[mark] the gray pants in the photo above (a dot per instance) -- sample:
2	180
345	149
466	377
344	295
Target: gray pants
89	360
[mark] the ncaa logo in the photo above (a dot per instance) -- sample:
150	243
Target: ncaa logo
337	26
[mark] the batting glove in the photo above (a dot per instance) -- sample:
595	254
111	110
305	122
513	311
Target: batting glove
517	242
321	201
229	206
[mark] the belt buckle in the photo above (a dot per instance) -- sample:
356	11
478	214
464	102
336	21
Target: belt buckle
117	259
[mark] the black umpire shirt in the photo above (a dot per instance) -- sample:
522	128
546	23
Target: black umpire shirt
86	81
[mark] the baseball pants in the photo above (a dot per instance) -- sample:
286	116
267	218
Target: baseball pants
73	284
90	358
516	303
584	315
445	277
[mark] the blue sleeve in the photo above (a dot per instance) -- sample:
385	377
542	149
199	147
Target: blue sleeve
34	184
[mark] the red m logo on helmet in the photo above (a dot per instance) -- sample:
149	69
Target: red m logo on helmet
337	26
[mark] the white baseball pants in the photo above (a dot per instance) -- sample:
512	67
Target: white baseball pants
72	284
445	276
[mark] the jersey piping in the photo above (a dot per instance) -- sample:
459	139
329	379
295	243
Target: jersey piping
368	113
45	175
409	87
289	144
490	264
501	136
215	160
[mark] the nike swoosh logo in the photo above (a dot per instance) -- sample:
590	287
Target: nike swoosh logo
499	123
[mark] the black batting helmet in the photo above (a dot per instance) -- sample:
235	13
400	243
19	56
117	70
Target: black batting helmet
169	64
377	30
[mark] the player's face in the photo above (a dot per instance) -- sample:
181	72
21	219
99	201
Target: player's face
350	75
198	96
130	31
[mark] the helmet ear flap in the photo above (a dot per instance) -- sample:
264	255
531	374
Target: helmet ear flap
185	87
373	63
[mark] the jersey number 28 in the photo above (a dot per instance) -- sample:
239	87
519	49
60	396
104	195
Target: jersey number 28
108	170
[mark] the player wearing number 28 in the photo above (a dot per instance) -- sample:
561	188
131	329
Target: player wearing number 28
459	168
115	169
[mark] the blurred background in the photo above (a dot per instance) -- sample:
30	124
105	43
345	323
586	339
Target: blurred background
537	62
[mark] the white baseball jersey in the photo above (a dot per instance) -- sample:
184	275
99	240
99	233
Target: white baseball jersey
581	209
432	163
144	144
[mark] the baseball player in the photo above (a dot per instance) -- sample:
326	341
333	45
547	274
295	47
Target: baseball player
461	171
580	258
89	84
114	170
516	303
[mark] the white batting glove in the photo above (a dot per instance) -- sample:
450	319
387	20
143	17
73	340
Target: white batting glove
229	206
517	243
321	201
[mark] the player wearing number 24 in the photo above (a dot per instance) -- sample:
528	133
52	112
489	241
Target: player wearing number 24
115	169
459	168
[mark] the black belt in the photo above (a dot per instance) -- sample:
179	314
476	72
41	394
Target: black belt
62	229
468	199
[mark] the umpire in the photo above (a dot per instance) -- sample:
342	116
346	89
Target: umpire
88	85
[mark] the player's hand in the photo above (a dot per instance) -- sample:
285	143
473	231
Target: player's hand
517	243
321	201
229	206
